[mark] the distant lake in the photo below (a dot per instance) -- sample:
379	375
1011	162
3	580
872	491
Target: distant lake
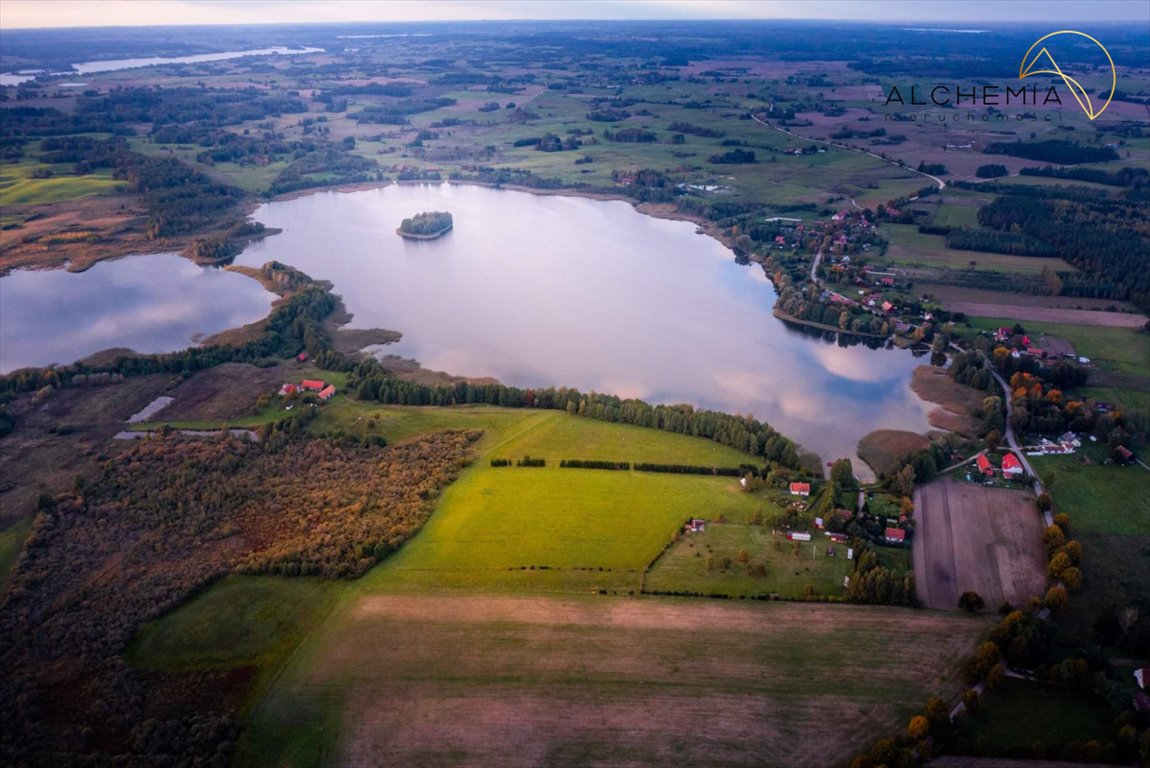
111	65
154	303
552	290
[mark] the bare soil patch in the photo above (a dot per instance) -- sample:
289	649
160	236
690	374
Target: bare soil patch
225	391
441	680
1050	315
957	400
971	537
883	448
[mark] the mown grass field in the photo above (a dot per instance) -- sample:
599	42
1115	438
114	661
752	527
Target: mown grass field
468	679
1021	713
1109	510
11	542
267	616
710	563
911	248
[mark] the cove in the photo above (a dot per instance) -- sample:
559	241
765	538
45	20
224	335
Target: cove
153	303
541	290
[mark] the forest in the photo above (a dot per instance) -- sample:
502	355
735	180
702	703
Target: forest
372	383
1106	238
169	515
428	223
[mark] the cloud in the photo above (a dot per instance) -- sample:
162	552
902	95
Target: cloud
87	13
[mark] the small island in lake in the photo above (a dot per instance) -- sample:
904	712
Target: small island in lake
425	226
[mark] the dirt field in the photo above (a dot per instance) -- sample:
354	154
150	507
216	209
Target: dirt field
1050	315
226	391
528	681
957	400
971	537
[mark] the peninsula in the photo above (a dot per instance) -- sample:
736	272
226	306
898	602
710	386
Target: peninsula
426	226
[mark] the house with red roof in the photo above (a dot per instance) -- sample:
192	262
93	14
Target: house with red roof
288	389
984	465
312	385
800	489
895	535
1011	465
327	393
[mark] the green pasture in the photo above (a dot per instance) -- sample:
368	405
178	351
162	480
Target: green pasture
11	543
711	563
18	187
1020	713
1106	499
911	248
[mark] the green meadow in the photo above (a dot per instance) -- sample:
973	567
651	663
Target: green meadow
18	187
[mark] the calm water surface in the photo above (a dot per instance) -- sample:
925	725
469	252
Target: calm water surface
112	65
551	290
154	303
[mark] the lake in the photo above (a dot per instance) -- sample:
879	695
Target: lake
112	65
153	303
551	290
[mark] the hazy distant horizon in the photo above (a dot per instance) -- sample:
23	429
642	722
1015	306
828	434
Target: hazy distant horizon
47	14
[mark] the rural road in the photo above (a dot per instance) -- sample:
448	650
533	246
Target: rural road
938	182
815	266
1013	443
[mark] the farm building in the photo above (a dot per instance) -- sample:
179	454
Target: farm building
800	489
327	393
288	389
895	535
695	525
984	465
1011	465
312	385
1124	454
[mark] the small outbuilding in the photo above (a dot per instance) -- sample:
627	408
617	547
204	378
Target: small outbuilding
984	465
800	489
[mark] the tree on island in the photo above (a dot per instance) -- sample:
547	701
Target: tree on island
426	224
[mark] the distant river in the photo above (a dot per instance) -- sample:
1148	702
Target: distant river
551	290
154	303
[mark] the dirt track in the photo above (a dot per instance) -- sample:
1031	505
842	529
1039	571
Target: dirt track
971	537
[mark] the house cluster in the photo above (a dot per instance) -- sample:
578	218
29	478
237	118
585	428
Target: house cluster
1011	466
1065	444
322	389
1052	348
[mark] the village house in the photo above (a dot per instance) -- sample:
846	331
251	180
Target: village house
1011	465
312	385
288	389
984	465
800	489
327	393
895	535
695	525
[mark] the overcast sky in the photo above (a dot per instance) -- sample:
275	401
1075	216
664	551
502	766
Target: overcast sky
86	13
